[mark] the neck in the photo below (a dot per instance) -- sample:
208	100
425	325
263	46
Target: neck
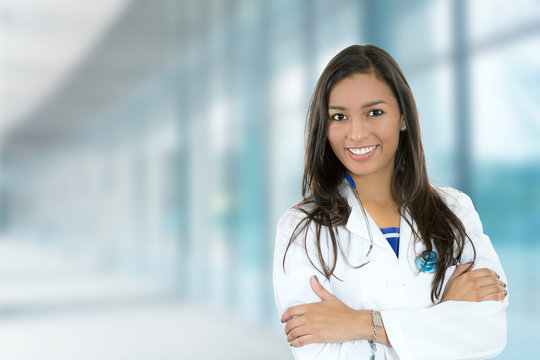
374	189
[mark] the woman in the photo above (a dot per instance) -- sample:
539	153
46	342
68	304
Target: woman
433	287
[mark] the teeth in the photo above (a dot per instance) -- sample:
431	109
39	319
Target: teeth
362	151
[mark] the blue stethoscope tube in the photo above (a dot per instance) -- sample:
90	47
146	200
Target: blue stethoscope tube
350	180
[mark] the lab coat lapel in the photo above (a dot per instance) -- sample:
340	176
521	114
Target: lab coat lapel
407	246
405	236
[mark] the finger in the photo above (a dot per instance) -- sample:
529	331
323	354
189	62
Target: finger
487	291
298	332
293	311
500	283
469	266
499	296
304	340
294	323
462	268
484	272
319	289
489	280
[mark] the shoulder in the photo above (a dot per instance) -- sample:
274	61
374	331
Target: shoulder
293	217
292	234
450	194
459	202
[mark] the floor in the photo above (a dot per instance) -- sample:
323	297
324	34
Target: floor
55	307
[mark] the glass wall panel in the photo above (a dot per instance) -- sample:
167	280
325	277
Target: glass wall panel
498	19
434	94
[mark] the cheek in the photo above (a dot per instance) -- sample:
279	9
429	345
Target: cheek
333	134
389	134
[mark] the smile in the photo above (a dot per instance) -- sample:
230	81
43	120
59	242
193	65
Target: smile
362	151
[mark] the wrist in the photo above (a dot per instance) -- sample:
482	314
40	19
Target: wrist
364	325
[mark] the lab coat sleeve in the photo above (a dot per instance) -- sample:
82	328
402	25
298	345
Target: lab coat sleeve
292	282
454	329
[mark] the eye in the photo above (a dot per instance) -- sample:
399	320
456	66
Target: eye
338	117
376	112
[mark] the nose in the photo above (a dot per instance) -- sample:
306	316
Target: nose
359	129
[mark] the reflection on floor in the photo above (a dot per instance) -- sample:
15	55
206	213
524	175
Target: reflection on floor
54	307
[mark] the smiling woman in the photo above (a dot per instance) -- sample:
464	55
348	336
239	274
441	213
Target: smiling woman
395	256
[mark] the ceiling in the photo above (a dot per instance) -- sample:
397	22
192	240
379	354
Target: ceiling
41	44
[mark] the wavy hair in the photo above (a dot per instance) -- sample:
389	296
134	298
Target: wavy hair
323	205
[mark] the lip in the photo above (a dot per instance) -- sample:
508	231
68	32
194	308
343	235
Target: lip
362	156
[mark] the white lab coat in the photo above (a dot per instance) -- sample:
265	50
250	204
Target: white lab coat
416	327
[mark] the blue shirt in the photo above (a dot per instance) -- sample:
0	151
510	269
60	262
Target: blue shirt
392	236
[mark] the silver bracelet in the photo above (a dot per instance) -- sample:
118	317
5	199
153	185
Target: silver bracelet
374	336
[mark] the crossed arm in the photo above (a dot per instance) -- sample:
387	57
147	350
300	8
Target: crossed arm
332	321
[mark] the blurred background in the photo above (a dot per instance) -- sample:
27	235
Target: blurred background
147	149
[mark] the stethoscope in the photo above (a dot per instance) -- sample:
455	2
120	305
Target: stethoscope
365	259
425	262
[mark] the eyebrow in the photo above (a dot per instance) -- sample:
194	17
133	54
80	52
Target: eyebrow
372	103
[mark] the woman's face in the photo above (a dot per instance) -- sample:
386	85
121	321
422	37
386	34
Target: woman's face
364	125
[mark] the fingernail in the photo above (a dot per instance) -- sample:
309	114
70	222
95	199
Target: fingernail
316	278
504	284
498	277
290	344
505	293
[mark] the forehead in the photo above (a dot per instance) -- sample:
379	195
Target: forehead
359	89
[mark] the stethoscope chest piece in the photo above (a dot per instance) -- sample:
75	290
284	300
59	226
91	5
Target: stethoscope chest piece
427	261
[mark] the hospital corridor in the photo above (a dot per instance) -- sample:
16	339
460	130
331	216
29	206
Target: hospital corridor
148	149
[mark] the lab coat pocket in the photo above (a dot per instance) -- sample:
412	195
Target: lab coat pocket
424	286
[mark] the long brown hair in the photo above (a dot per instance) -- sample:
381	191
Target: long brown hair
437	226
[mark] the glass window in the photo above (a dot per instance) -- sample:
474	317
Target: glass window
502	19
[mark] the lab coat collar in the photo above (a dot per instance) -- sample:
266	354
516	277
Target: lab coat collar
357	225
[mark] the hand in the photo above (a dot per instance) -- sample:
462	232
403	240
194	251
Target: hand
474	285
327	321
